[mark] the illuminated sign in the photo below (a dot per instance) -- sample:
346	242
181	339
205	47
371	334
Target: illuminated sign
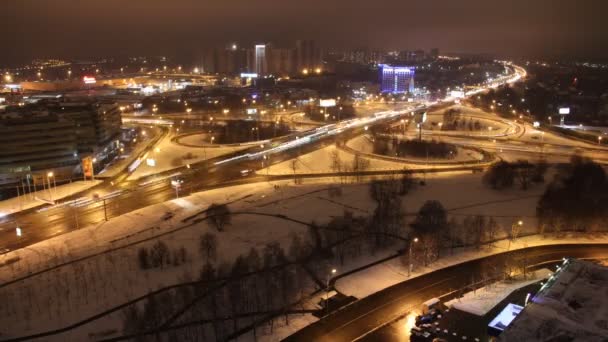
249	75
251	111
87	167
564	110
327	103
89	80
536	124
457	94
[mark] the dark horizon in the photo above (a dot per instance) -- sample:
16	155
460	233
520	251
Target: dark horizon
95	28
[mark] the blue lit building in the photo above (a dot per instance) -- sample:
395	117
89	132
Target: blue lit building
396	79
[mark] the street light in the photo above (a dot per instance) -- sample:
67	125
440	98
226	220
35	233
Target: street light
333	271
599	140
409	260
515	229
50	175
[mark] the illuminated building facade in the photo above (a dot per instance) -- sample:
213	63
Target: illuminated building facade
261	65
396	79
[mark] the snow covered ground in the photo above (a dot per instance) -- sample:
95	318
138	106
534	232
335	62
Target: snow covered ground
363	144
108	274
322	161
482	300
169	155
42	197
369	281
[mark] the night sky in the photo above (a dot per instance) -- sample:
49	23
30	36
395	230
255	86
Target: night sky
83	28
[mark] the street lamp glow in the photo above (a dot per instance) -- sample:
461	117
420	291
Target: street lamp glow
333	271
415	239
50	174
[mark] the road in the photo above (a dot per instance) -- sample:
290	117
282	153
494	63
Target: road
122	196
360	320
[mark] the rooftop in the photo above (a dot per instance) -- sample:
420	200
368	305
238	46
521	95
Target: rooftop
571	306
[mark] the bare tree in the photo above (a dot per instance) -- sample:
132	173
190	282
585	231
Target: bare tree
294	168
360	164
524	173
208	247
336	162
219	216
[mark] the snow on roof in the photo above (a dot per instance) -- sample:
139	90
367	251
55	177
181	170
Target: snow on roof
572	306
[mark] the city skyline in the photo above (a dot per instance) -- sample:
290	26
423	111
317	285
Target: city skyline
373	171
184	28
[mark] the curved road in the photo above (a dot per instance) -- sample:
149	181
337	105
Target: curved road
358	320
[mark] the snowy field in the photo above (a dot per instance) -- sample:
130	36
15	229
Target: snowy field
324	161
484	299
170	155
107	272
365	145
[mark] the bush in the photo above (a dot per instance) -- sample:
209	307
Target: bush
500	175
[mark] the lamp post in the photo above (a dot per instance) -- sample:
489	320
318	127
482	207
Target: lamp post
515	229
599	140
329	275
409	260
48	178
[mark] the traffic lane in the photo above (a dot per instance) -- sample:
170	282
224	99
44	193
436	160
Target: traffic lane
361	317
549	260
43	225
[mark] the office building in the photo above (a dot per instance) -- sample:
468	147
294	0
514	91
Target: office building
35	143
54	136
396	79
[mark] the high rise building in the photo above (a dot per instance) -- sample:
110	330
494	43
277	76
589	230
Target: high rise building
307	55
52	137
260	61
281	61
396	79
228	60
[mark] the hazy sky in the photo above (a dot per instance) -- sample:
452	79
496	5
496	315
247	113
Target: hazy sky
64	28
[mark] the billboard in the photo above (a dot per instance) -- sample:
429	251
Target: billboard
89	80
249	75
327	103
458	94
251	111
564	111
87	167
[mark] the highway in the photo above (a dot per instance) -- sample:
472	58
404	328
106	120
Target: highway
359	321
121	196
